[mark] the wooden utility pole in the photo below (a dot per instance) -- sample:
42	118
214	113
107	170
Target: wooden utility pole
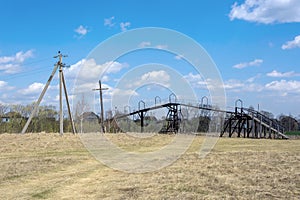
101	105
62	83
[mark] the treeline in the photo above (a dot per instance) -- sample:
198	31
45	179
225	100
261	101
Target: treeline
14	117
289	122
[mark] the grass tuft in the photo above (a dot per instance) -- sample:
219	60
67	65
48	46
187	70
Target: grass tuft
293	133
42	195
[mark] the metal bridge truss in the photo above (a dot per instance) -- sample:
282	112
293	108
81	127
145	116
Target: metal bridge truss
242	122
173	119
252	124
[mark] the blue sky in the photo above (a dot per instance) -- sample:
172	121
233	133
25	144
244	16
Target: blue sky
254	43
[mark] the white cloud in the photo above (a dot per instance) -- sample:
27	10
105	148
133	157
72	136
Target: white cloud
277	74
233	84
123	93
242	86
119	97
81	30
161	46
114	67
158	46
12	64
124	26
109	22
256	62
253	87
292	44
86	73
4	86
144	44
19	57
10	68
196	80
284	86
253	78
212	84
85	87
179	57
154	77
89	69
72	71
105	78
267	11
34	88
193	77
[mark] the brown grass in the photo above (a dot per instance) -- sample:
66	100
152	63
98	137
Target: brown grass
49	166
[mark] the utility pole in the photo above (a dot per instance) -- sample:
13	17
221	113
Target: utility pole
61	116
62	83
101	105
68	104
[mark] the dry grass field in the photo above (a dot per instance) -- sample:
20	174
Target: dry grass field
49	166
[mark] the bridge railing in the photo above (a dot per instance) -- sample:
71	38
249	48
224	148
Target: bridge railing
265	119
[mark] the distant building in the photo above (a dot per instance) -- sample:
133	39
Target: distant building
10	115
90	117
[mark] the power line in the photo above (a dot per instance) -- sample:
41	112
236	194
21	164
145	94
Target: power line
28	72
37	61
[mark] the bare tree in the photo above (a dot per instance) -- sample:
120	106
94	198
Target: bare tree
289	123
267	114
3	109
82	106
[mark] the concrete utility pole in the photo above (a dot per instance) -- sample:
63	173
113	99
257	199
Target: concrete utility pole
68	104
61	116
101	105
62	83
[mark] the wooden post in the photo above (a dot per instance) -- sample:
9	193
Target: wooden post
101	105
